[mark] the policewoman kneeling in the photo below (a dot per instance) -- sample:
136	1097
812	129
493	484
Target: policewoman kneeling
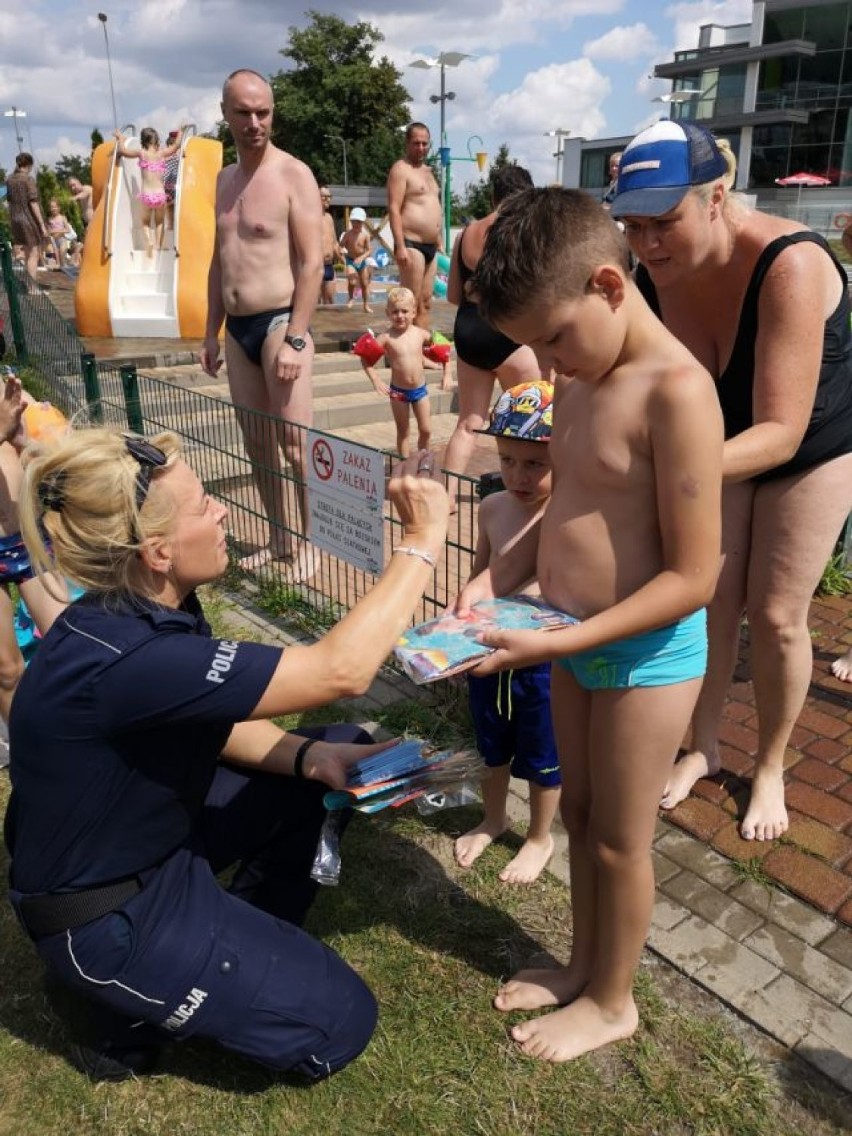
144	764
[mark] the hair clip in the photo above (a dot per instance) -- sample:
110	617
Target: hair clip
51	491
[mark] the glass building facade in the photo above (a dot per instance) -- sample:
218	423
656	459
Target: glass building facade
821	85
779	89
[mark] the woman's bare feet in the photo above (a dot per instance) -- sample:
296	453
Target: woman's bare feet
842	668
766	815
470	846
536	989
689	769
574	1030
530	862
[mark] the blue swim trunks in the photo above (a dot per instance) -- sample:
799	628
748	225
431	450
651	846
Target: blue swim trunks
408	394
662	657
511	717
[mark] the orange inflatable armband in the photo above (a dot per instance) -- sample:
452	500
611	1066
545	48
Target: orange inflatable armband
368	348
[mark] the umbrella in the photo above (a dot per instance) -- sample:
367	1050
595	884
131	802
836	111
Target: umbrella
801	180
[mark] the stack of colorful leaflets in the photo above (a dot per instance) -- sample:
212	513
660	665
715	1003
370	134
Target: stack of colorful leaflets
402	773
444	646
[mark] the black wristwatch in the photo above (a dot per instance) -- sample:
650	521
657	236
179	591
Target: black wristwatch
296	342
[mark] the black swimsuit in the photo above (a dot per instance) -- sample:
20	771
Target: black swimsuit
477	343
829	432
251	331
427	249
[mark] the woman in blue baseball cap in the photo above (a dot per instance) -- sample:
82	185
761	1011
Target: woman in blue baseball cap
762	302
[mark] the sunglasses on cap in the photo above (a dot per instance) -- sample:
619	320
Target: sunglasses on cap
148	457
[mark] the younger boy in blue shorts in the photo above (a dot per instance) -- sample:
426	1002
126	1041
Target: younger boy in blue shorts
511	710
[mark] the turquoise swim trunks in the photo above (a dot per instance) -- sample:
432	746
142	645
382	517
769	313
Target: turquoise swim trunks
662	657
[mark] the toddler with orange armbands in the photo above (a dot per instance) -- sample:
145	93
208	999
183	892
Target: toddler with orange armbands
404	344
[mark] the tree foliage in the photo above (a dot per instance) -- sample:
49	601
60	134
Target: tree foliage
72	165
336	86
477	202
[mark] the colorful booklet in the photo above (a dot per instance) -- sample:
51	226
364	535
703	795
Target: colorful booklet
402	773
447	645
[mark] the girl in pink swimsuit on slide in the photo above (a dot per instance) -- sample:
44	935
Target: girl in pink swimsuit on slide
152	198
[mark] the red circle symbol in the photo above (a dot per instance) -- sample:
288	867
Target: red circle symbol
322	459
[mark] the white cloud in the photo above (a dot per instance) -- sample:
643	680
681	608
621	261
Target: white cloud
622	43
689	16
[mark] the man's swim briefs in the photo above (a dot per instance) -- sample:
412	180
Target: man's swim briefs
427	249
251	331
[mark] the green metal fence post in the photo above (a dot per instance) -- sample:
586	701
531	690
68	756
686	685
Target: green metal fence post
130	386
92	387
11	286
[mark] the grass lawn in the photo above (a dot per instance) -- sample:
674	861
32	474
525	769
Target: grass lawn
433	942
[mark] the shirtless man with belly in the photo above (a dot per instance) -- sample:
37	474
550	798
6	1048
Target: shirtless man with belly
264	283
414	208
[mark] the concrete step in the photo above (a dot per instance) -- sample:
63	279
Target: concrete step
334	412
331	389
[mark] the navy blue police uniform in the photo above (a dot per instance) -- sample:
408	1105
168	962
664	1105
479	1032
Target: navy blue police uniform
119	798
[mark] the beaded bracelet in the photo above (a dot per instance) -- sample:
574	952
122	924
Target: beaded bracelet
421	553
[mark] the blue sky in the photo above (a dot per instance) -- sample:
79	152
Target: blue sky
537	65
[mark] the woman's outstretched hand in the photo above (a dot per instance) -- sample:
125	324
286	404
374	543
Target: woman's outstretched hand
421	502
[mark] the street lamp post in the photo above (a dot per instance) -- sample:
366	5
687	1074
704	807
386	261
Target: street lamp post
559	134
342	141
102	16
444	60
15	113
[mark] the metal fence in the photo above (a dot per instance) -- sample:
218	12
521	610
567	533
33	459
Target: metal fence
213	434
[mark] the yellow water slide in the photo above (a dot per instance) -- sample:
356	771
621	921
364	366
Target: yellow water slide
122	291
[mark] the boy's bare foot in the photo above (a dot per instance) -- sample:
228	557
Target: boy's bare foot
766	815
842	668
304	566
470	846
574	1030
689	769
529	863
350	303
536	989
366	309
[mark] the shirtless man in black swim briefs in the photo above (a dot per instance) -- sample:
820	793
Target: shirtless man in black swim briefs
414	208
264	283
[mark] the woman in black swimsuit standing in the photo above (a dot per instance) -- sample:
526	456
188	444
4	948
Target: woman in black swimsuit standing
482	353
762	303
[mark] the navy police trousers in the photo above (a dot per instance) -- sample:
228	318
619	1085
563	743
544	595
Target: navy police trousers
186	958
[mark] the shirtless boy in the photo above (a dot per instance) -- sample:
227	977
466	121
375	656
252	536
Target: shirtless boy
403	344
511	710
414	210
355	243
331	252
264	282
630	544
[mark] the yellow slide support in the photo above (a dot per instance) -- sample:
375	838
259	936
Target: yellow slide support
194	233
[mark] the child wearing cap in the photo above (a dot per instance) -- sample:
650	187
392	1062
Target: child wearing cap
355	242
511	709
629	544
403	344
